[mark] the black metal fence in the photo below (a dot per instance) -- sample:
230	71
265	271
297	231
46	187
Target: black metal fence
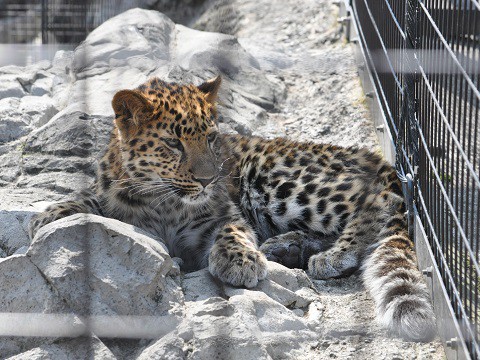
55	21
423	60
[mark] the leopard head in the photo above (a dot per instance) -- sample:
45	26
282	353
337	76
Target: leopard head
168	137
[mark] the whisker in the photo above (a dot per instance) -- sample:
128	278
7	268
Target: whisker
166	197
147	189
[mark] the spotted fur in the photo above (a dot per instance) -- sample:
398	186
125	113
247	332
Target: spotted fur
214	198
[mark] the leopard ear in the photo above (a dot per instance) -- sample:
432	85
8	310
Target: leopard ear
210	88
131	109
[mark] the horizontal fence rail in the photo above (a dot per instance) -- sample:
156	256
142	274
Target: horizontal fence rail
423	59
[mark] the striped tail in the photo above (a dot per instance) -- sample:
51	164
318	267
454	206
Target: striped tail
390	274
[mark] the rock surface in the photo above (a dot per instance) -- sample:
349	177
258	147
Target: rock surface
14	231
79	348
102	266
287	71
24	290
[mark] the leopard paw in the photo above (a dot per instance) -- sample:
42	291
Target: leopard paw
39	220
332	264
52	213
238	266
283	250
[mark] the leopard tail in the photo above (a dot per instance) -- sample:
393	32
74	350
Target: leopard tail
391	275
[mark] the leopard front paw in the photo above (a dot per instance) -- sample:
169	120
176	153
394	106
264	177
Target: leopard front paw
51	214
238	266
283	250
39	220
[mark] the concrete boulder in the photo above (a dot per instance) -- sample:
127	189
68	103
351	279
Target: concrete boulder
138	44
71	134
224	322
102	266
18	116
27	303
14	231
79	348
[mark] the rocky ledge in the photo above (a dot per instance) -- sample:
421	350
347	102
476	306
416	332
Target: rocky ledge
91	287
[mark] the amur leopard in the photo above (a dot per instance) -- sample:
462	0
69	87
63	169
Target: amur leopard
231	202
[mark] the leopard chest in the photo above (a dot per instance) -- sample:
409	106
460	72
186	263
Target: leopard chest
187	231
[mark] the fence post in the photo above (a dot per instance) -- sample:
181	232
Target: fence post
407	135
44	21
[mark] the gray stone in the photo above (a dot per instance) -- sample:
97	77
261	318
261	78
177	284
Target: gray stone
38	178
120	52
79	348
21	250
14	230
40	108
292	279
169	347
62	155
17	81
63	79
27	199
102	266
42	86
71	134
225	322
11	163
10	87
13	124
200	285
19	116
26	298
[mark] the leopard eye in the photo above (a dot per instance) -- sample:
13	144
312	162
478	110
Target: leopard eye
173	143
212	137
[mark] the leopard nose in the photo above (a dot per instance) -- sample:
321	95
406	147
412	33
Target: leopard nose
205	181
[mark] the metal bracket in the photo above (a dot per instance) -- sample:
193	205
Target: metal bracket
428	271
409	194
344	20
452	343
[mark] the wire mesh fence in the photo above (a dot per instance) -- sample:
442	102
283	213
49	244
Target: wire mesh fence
425	62
55	21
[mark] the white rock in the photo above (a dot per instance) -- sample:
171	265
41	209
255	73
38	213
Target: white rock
40	108
18	116
102	266
24	291
169	347
21	251
225	322
42	86
10	87
120	52
14	230
79	348
200	285
13	124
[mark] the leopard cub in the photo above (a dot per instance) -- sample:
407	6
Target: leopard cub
231	202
